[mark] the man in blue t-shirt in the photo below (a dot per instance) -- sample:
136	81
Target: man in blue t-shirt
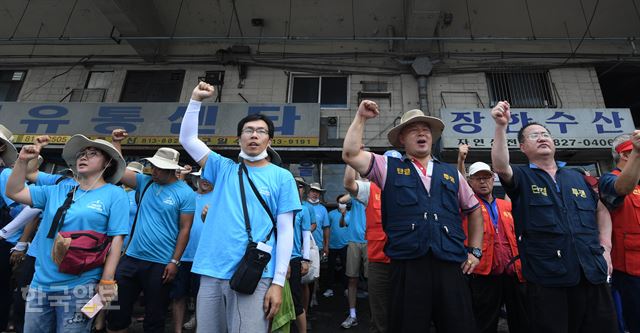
156	241
227	234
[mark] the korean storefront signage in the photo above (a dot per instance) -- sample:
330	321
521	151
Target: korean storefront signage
570	128
156	123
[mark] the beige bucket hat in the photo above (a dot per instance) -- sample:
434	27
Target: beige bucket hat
79	142
165	158
136	167
9	154
316	186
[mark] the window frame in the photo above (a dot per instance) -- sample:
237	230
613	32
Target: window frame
292	76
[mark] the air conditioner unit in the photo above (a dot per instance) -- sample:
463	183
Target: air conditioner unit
329	132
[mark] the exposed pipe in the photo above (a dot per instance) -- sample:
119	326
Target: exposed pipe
110	39
422	94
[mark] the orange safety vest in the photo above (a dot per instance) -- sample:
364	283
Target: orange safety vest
625	254
375	236
505	222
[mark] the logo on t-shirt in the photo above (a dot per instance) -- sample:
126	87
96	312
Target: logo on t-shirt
264	191
169	201
97	206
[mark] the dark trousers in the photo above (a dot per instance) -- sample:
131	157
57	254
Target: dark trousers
489	293
379	292
295	283
426	289
333	272
582	308
24	274
5	283
134	275
629	288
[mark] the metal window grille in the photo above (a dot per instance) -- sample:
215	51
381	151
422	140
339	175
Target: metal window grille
521	89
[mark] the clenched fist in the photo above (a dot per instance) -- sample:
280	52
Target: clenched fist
368	109
501	113
202	91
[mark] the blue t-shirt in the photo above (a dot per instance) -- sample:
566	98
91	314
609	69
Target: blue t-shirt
133	207
49	179
301	223
608	193
159	219
225	231
357	222
339	235
196	228
322	221
99	209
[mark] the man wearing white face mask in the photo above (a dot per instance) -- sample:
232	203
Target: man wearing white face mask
219	307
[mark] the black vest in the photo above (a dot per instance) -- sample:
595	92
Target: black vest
417	221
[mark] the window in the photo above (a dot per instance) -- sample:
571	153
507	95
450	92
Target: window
329	91
10	85
152	86
521	89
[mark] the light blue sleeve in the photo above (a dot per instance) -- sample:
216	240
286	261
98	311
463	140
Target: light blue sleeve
118	216
141	183
306	219
39	196
325	217
45	178
215	163
188	204
288	197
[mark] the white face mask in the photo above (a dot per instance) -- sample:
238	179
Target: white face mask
313	201
342	206
256	158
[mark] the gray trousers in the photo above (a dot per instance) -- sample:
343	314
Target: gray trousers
222	310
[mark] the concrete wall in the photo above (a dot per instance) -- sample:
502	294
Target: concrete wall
576	88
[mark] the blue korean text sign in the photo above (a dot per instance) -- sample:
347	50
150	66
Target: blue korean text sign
570	128
156	123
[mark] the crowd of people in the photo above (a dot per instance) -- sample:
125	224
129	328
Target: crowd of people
244	239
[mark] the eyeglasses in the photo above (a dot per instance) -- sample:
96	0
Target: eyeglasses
260	131
87	153
481	178
537	135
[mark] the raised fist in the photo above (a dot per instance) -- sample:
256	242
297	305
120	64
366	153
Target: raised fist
119	134
463	150
368	109
501	113
41	141
202	91
29	152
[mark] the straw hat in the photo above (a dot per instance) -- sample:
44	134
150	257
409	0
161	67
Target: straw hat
79	142
415	116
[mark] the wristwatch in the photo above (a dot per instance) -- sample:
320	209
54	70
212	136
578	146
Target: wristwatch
175	262
476	252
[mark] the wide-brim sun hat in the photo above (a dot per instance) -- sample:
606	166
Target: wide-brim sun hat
415	116
10	154
165	158
136	167
79	142
316	186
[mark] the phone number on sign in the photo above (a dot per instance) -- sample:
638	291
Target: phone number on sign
559	142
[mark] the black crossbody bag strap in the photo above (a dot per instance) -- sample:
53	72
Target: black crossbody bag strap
243	167
58	219
135	219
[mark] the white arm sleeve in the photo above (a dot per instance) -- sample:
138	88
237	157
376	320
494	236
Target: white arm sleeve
306	244
24	217
284	246
189	132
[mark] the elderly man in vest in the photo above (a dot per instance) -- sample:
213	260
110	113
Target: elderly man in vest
422	201
620	192
558	221
498	278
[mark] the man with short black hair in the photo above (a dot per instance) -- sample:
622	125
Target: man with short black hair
219	307
558	219
157	239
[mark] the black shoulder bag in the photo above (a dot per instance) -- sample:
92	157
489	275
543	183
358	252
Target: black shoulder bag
246	277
